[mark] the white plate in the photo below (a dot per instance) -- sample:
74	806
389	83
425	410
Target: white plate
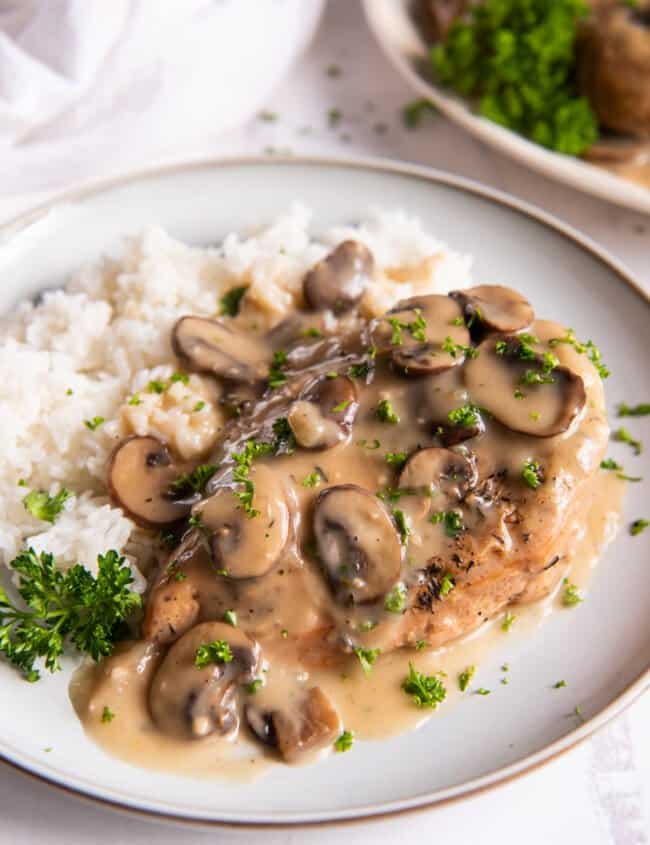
392	24
601	647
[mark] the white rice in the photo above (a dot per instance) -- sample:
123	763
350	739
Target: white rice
82	352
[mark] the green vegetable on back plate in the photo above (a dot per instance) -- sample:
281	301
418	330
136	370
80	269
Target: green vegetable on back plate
517	58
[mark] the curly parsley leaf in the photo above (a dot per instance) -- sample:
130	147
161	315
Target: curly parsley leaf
73	606
425	690
43	506
215	652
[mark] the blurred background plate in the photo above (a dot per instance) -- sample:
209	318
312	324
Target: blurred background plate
402	42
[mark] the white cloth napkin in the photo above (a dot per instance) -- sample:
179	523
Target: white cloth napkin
92	87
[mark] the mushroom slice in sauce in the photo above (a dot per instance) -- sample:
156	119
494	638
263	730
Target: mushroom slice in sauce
495	308
245	545
496	383
300	729
324	414
435	470
416	329
140	473
338	281
173	605
358	544
209	346
191	702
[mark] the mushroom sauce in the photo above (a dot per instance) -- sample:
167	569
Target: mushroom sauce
383	489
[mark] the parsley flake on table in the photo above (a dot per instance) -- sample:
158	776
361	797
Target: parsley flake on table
622	435
638	526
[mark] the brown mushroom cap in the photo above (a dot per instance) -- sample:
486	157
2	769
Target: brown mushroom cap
324	414
301	728
358	544
245	546
209	346
339	280
419	351
191	702
496	308
441	471
613	66
494	382
140	473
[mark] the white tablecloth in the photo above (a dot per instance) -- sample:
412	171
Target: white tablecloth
597	793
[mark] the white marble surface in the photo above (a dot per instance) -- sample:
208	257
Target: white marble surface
598	793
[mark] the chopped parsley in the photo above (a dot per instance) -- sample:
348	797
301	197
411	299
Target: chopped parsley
452	522
532	474
508	622
243	462
520	346
570	595
276	375
402	522
285	440
482	691
465	677
589	348
230	618
518	63
412	112
312	332
217	651
641	410
362	370
93	425
267	116
466	416
446	585
396	337
416	328
559	684
334	117
254	685
622	435
344	742
638	526
396	459
135	400
425	690
610	463
366	445
230	302
200	405
313	479
338	409
420	645
395	601
367	658
72	606
43	506
455	349
193	482
107	715
386	413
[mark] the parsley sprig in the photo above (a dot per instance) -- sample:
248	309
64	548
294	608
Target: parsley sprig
425	690
73	606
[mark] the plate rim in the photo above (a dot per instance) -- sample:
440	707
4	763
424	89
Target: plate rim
436	798
567	170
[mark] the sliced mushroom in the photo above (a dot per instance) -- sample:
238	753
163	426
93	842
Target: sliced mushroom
495	308
496	382
338	281
173	605
247	545
209	346
140	472
358	544
435	470
299	729
324	413
415	331
191	702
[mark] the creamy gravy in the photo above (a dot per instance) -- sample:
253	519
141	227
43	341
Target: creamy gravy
372	707
332	543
